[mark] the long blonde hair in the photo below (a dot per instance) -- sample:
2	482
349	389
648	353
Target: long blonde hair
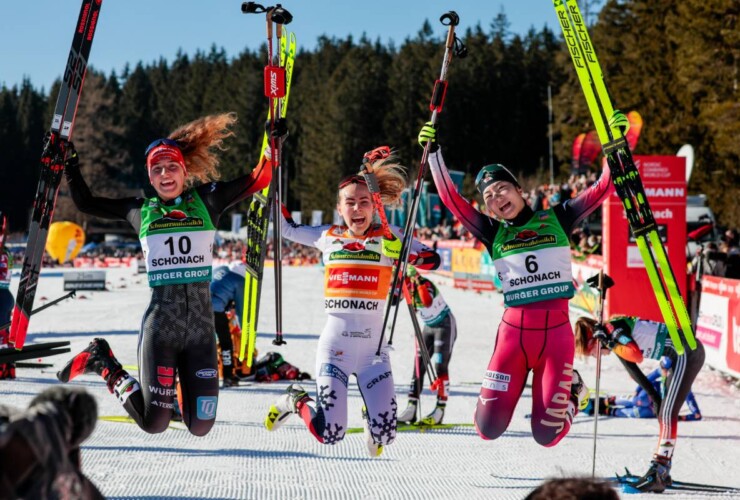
198	140
391	177
584	331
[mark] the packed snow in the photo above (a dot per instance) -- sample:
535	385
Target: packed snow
240	459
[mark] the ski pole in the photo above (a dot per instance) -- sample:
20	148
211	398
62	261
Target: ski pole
601	282
453	46
39	309
368	173
275	90
419	337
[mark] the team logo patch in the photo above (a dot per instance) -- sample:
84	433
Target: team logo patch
206	373
175	219
165	376
330	370
206	407
528	239
354	250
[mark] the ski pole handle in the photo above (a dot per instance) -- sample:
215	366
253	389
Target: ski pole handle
253	8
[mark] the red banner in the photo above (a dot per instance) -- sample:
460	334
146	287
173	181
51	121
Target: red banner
718	325
664	180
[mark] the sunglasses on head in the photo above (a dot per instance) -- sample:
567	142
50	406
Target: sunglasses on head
160	142
352	179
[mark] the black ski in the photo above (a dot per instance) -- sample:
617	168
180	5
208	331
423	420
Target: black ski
13	355
52	166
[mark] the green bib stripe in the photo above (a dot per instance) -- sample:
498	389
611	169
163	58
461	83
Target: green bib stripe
436	312
177	240
533	261
649	335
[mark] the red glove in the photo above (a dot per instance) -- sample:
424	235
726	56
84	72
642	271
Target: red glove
442	385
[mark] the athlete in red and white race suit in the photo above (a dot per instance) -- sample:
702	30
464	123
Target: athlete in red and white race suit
356	283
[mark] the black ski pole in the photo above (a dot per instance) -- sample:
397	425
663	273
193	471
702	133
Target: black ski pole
275	88
371	180
419	336
39	309
453	46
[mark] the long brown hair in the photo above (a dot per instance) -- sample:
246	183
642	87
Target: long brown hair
198	140
584	332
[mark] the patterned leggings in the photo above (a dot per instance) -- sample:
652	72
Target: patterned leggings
347	346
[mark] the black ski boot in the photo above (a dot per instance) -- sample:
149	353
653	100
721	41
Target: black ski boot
657	478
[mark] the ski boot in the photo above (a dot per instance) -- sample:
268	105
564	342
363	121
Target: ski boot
590	408
408	416
657	478
373	449
285	406
95	358
579	392
436	416
230	381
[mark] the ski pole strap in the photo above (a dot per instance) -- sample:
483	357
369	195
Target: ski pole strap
447	19
253	8
460	50
280	15
376	154
438	96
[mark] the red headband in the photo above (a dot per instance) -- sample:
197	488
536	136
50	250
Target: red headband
165	152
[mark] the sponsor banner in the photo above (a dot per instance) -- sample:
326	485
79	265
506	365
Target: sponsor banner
445	255
718	324
664	181
466	261
84	280
103	262
469	283
357	281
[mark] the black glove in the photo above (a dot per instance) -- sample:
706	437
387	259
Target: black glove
593	281
280	131
71	160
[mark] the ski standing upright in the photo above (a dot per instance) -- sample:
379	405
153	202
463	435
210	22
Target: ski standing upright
626	177
52	166
278	76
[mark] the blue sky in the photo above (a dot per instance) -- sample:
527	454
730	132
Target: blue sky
36	34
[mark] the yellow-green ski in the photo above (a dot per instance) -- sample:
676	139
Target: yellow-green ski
258	219
625	175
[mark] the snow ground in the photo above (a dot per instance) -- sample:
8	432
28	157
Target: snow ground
240	459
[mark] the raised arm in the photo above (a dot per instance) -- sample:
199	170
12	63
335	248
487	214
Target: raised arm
481	226
223	195
571	212
305	235
105	208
